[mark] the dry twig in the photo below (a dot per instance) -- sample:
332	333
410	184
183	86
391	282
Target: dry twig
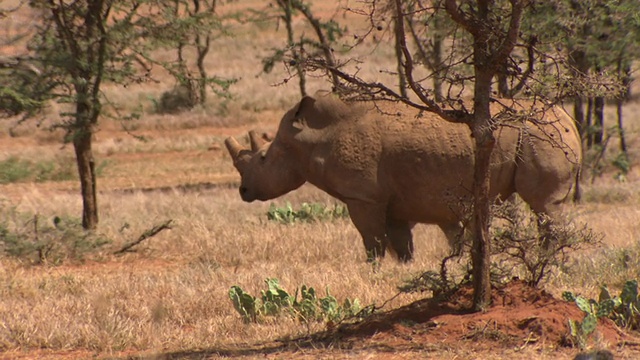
145	235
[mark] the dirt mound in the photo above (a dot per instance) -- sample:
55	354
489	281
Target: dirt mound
520	315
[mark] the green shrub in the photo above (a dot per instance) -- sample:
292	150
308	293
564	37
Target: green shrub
14	170
40	240
275	301
306	213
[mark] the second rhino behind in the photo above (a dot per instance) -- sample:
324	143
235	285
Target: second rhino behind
394	167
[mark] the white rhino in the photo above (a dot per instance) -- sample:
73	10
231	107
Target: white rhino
394	166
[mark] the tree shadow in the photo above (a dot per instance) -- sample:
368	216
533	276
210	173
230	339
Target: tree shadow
341	336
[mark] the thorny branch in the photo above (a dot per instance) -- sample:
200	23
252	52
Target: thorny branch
145	235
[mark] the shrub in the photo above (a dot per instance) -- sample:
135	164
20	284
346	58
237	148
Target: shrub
534	246
275	301
14	170
39	240
178	99
306	213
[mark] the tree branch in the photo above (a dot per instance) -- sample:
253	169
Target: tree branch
511	37
145	235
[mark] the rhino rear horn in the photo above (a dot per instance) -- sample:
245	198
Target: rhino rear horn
233	146
256	141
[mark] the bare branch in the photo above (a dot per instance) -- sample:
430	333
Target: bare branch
145	235
511	37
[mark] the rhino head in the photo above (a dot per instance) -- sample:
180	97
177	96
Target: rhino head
267	169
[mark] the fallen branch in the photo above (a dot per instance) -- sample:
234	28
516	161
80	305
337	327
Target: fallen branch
145	235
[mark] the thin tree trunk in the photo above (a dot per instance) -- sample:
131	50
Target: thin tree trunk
203	45
287	7
324	43
578	115
624	72
598	107
437	61
402	78
623	142
82	144
589	123
203	49
503	82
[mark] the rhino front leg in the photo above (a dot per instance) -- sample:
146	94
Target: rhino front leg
400	239
370	221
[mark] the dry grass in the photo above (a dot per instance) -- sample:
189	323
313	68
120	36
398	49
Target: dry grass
172	294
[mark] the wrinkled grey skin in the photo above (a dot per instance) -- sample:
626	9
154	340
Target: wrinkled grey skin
394	167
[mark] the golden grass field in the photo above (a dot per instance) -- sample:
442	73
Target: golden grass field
170	298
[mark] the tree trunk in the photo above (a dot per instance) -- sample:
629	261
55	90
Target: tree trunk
624	72
287	7
402	78
578	115
324	43
203	49
598	113
623	142
82	142
503	81
588	123
437	61
484	143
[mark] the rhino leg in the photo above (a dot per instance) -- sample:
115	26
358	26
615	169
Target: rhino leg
370	221
400	239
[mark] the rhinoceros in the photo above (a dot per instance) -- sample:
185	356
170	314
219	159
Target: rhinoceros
394	166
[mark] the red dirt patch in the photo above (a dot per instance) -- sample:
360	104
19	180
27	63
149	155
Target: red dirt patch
520	315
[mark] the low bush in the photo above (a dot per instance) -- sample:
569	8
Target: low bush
275	301
39	240
306	213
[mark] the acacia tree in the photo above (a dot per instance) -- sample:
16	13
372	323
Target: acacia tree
80	46
326	33
487	49
191	27
597	37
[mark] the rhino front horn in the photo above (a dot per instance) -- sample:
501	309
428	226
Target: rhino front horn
233	146
256	141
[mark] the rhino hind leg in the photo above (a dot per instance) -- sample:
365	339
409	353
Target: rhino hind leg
370	221
400	239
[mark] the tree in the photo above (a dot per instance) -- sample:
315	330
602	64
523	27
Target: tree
326	34
487	48
193	24
81	45
598	37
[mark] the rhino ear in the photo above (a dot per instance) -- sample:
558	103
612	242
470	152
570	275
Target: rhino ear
304	109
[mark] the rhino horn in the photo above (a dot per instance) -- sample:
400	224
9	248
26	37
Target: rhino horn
256	141
233	146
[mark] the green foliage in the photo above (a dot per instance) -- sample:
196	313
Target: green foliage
306	213
14	169
621	162
624	310
39	240
305	305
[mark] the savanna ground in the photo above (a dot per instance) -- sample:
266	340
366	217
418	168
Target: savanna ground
169	299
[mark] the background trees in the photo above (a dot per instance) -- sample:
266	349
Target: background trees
81	45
